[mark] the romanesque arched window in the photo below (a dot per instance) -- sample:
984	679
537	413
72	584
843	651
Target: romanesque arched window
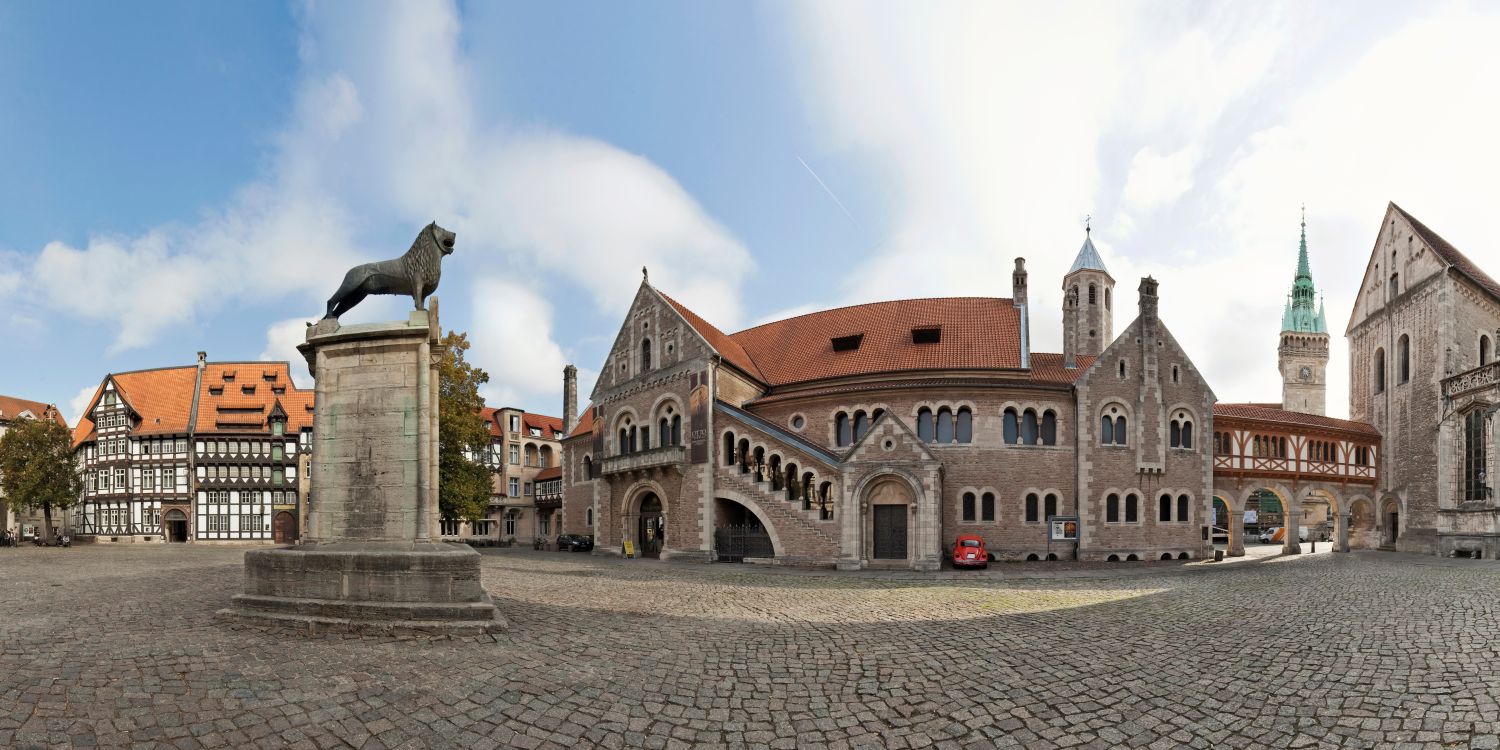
677	429
1120	430
963	432
844	435
1012	427
1484	350
1029	427
807	491
1403	359
1181	432
925	430
792	482
1182	508
944	425
744	456
1106	298
664	432
1032	508
1164	508
588	467
861	425
1112	508
825	501
1049	427
1107	430
1132	508
645	355
987	507
1093	294
968	506
1049	506
1379	370
729	449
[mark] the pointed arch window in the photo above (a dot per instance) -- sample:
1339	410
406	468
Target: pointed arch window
677	429
1475	484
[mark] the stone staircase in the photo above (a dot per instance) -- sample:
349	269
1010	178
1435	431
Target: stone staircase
802	533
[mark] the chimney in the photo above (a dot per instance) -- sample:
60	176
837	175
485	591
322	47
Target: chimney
202	358
1148	299
1018	282
570	399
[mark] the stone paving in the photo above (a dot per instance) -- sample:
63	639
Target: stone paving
117	647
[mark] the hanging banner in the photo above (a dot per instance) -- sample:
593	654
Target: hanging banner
698	407
598	440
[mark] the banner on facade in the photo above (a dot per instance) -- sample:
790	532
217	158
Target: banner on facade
598	439
1064	529
698	407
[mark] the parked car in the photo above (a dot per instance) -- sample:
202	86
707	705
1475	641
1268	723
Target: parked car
969	552
574	542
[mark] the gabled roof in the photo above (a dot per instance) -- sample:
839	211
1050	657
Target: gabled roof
1272	414
12	407
240	397
1049	368
548	425
1088	257
977	333
1450	254
585	424
162	398
727	347
551	472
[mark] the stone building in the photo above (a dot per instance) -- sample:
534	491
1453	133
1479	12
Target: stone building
197	453
12	409
1422	337
522	446
874	435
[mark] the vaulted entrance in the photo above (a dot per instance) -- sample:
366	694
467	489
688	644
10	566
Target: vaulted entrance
651	528
890	532
284	528
177	526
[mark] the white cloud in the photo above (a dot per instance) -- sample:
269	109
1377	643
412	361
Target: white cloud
80	402
282	339
511	339
1192	134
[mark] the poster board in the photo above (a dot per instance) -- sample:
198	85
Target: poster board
1063	529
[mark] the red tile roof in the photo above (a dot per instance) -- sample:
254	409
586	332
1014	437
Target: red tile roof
1450	254
11	407
163	399
978	333
726	346
1048	368
551	472
548	425
585	422
1271	414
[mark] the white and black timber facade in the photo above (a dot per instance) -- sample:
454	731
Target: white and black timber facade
204	452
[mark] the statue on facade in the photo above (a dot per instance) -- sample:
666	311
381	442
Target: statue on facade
415	273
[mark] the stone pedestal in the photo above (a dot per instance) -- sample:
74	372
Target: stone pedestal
371	557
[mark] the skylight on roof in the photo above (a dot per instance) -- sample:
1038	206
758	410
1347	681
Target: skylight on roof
927	335
847	343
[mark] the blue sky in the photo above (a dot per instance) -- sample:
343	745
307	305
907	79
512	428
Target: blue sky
196	176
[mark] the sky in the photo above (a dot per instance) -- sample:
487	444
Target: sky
179	177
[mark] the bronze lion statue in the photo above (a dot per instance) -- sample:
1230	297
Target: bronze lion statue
416	273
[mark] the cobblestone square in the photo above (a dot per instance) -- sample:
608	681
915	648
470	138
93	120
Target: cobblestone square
118	647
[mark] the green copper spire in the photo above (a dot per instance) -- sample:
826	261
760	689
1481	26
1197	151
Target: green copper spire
1302	313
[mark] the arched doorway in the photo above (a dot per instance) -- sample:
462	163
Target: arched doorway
177	526
740	533
1390	517
1362	524
651	527
284	527
890	502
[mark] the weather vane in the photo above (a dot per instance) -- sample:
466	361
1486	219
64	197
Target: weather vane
1087	223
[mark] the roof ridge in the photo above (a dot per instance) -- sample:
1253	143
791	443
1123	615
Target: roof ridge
870	304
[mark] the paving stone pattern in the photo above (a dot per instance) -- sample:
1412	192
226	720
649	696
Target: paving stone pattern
117	647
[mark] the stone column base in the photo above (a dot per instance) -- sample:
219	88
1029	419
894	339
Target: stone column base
367	588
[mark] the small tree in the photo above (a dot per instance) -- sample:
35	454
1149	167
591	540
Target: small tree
37	468
463	484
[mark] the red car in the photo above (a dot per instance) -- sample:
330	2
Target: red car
969	552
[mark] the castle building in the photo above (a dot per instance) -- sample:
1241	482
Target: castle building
1303	355
12	409
1422	338
204	452
874	435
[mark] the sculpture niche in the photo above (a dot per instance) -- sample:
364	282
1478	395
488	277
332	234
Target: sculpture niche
416	273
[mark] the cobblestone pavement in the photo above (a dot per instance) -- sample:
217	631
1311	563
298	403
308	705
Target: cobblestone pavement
117	646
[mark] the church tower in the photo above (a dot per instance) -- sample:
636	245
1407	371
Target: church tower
1303	355
1088	305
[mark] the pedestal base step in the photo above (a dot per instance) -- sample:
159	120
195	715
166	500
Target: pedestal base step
322	615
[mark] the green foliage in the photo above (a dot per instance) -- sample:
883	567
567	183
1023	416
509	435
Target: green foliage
37	468
463	485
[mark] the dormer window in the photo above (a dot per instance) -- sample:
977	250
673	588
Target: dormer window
278	427
847	343
216	390
926	335
248	390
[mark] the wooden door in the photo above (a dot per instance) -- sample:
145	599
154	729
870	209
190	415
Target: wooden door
284	528
890	532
